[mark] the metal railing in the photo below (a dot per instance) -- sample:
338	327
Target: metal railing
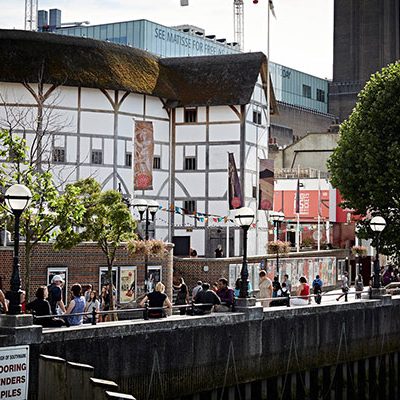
192	307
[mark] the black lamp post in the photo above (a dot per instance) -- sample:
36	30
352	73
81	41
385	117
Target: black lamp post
18	198
244	217
146	208
377	224
277	219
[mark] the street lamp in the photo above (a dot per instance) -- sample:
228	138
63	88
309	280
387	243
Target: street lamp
244	217
146	207
18	198
277	218
377	224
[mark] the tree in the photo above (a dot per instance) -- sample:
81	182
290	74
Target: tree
365	166
107	221
48	210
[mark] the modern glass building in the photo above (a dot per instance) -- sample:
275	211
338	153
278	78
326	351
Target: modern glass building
291	86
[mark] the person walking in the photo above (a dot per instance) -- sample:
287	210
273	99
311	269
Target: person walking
345	286
359	286
182	296
265	286
317	289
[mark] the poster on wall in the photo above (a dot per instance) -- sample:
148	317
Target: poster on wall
103	280
144	154
14	372
127	284
154	274
63	272
266	185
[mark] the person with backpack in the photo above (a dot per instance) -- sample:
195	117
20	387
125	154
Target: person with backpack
317	289
55	295
359	286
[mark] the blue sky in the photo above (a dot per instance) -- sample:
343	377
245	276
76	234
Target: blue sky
301	35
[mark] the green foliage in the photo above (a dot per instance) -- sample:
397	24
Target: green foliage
49	214
365	166
106	219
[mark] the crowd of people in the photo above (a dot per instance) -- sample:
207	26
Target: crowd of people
50	310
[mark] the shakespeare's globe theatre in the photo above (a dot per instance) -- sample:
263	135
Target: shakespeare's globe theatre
85	96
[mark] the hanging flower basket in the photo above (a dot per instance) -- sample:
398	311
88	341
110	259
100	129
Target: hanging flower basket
278	247
155	248
359	251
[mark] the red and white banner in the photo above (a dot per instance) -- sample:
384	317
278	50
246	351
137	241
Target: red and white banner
286	201
144	154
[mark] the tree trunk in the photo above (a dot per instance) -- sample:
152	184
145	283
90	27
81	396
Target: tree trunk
112	316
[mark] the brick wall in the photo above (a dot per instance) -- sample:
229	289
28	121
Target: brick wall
83	262
192	269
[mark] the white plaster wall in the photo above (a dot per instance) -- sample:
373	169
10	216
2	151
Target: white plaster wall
16	93
219	156
161	130
125	126
193	182
97	123
201	157
154	107
190	133
223	113
71	149
218	184
94	99
133	104
224	133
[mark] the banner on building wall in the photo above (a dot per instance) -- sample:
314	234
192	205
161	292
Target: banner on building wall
127	282
234	188
144	154
266	185
306	203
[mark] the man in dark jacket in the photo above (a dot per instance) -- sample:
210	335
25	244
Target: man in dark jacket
208	298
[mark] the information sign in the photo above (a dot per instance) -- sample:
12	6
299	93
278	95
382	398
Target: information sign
14	372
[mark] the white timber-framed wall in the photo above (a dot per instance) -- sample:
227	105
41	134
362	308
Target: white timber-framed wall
90	120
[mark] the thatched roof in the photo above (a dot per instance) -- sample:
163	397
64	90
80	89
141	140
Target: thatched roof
74	61
216	80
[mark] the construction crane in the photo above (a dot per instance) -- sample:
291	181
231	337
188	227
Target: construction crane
31	12
238	20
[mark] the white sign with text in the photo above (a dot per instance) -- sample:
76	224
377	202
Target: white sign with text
14	372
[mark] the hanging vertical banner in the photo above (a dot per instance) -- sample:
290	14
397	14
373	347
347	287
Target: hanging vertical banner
266	185
144	153
234	189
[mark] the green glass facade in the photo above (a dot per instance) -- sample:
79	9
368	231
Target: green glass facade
291	86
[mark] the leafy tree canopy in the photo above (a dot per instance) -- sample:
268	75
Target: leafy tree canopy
365	166
107	220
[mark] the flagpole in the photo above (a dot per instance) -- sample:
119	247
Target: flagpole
227	198
319	211
298	211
